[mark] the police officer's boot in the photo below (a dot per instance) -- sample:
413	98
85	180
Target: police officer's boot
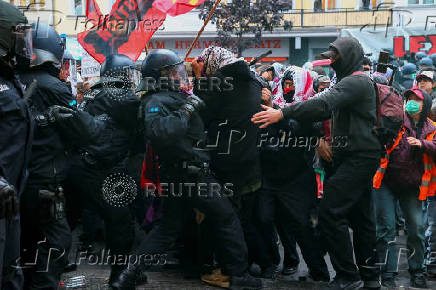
130	278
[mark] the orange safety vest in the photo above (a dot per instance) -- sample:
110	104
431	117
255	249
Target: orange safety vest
428	180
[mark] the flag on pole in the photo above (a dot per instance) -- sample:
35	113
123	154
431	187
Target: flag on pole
92	11
127	29
176	7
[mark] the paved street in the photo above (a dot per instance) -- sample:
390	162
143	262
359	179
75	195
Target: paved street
96	277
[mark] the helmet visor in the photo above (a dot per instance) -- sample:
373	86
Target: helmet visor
22	35
177	76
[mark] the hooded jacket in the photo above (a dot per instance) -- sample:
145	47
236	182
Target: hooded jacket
235	159
406	166
351	103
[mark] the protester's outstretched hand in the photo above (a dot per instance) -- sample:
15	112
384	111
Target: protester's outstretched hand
267	117
197	67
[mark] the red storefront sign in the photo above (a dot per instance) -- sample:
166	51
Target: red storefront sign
416	43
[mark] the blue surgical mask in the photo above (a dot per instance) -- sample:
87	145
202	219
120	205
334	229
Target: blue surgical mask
412	107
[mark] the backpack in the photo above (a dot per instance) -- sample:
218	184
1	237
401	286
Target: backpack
390	113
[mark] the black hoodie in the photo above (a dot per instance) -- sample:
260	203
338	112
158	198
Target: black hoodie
227	119
351	103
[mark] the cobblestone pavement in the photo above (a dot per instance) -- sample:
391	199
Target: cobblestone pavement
96	277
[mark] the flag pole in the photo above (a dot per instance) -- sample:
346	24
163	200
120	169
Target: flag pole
212	11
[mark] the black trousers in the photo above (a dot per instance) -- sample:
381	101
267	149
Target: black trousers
348	203
87	182
272	221
225	229
294	208
45	242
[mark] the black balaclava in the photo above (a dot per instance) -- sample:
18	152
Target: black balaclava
351	56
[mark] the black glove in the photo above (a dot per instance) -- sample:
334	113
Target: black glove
56	113
193	103
8	199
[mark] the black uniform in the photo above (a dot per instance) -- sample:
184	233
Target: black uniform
47	170
94	162
173	136
16	129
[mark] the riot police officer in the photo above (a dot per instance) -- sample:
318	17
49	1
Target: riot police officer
173	128
15	140
113	102
46	236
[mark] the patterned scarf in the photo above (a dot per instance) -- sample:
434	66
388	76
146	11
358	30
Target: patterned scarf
303	84
215	57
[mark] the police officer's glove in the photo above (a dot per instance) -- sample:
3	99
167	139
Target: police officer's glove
57	113
193	103
8	199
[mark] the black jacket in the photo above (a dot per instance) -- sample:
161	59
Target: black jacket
51	142
232	137
16	129
116	110
287	151
352	103
174	136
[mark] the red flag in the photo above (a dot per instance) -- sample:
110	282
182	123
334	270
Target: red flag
92	11
126	30
176	7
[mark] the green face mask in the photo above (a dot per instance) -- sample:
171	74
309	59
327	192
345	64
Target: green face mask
412	107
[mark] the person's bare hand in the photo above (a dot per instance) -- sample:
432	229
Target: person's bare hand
197	67
414	142
325	150
267	117
266	97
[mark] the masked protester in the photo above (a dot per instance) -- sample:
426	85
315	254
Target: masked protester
297	86
235	159
16	129
288	193
356	153
404	176
113	102
173	128
58	126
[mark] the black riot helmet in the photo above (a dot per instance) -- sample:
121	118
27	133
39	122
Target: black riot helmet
15	33
115	64
118	68
162	64
48	46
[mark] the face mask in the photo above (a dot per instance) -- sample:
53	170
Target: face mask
412	107
287	90
337	65
367	72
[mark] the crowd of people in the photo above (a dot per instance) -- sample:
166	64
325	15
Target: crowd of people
218	168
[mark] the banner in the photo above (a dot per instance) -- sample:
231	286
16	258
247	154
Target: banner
89	67
176	7
127	29
93	11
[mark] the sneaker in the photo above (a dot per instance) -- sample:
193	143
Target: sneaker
371	284
289	270
389	282
245	282
342	284
216	278
418	281
269	272
431	270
